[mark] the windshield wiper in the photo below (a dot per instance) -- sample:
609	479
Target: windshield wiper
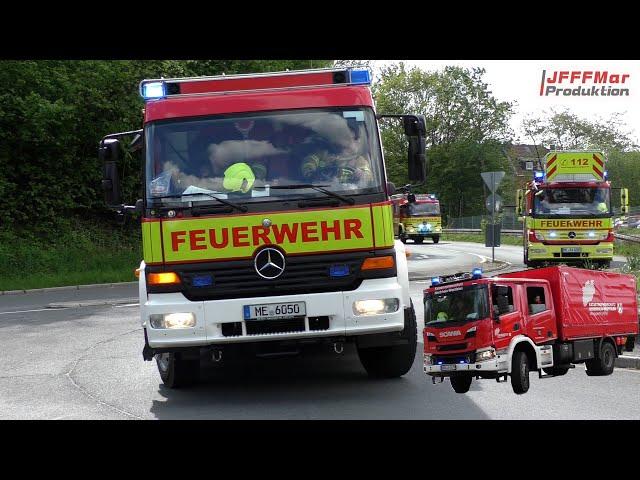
242	208
318	188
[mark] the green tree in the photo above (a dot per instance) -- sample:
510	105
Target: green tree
465	127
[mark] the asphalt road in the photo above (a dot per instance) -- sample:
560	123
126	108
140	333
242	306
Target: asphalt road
86	363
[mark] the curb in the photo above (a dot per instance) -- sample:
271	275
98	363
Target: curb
70	287
93	303
625	361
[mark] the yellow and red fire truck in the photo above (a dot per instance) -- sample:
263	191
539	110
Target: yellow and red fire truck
266	220
566	210
416	217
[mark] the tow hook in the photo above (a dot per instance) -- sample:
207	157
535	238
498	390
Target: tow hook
217	356
338	347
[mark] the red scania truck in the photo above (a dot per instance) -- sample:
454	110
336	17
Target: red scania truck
546	319
266	220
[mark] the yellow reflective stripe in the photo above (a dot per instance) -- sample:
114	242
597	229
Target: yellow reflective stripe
151	242
230	237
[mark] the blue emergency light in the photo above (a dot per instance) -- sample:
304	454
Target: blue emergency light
339	270
538	175
202	281
606	174
435	281
477	272
153	90
359	77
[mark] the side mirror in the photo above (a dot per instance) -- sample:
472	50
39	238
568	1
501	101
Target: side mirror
391	188
415	130
109	152
519	203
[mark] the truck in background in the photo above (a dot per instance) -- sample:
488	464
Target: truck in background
416	217
545	320
567	211
266	220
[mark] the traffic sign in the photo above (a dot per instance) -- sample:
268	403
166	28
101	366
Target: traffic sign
492	179
489	203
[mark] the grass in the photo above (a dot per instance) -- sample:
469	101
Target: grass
75	252
479	238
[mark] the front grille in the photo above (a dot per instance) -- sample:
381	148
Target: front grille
258	327
303	274
570	255
318	323
453	346
231	329
450	359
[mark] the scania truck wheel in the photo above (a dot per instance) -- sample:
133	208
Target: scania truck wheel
461	383
436	238
176	372
419	239
603	365
393	361
520	372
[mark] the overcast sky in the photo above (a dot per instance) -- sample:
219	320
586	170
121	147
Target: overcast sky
519	81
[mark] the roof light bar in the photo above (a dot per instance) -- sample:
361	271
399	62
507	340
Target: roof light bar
153	90
359	77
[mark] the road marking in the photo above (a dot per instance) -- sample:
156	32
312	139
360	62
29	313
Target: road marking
127	305
34	310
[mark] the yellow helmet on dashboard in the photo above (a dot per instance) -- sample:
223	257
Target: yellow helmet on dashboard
238	178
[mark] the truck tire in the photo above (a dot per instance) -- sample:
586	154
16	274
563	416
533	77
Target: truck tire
403	239
603	365
461	383
520	372
176	372
556	371
418	239
393	361
436	238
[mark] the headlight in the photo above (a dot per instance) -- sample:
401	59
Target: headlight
539	236
486	354
376	307
172	320
411	229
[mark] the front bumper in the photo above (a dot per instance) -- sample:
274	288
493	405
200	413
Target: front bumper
498	364
211	315
601	251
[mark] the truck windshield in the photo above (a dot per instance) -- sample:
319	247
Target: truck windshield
422	209
459	305
241	157
588	201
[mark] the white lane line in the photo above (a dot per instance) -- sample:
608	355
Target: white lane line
34	310
127	305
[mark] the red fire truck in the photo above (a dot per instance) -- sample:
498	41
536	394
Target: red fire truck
266	220
546	319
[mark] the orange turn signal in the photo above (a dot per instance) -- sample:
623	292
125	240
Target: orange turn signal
136	272
164	278
375	263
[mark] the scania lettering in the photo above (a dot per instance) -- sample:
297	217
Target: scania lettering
266	220
567	211
545	320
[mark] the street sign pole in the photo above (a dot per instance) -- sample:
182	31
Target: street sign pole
492	179
493	216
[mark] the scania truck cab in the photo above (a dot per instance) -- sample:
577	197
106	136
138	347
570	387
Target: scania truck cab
416	217
567	211
266	220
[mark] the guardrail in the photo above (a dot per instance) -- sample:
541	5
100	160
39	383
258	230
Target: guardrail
518	233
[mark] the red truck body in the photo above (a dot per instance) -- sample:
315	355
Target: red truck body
589	303
545	319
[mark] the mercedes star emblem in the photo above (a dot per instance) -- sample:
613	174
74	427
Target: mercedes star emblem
266	223
269	263
572	235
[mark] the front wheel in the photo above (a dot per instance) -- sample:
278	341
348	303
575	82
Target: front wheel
393	361
418	239
520	372
461	383
176	372
436	238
